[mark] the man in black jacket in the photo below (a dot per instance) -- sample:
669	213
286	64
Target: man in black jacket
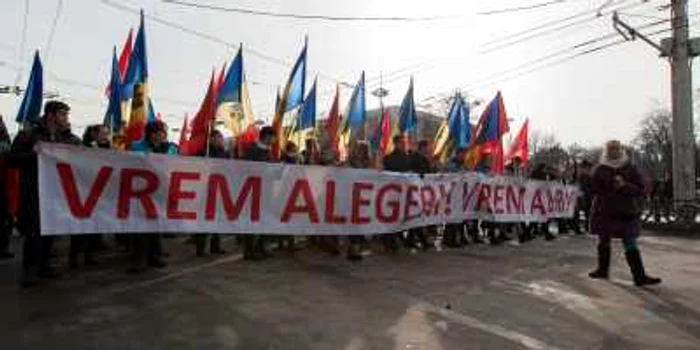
215	149
259	151
55	128
420	164
400	161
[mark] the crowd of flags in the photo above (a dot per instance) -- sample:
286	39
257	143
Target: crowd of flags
130	109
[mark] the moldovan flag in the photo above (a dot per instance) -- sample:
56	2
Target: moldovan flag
135	99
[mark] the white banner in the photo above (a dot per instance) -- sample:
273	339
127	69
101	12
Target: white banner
99	191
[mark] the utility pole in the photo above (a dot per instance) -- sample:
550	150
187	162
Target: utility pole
682	106
679	50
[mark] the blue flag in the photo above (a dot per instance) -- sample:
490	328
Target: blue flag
230	90
113	116
307	117
408	119
458	122
296	85
357	112
30	109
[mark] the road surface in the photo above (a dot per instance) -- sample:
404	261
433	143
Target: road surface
533	296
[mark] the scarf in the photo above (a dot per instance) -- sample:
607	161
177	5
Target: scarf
614	163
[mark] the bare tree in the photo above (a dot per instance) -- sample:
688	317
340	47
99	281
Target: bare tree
654	142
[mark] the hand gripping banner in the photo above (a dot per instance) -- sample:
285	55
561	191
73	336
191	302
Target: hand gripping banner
100	191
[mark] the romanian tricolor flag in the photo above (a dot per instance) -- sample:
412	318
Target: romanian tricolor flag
292	97
455	131
135	100
356	116
123	62
492	125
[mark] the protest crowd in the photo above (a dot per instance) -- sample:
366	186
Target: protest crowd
131	125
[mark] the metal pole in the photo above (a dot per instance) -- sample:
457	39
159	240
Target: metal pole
682	106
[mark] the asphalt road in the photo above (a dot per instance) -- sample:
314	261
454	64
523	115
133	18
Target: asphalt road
533	296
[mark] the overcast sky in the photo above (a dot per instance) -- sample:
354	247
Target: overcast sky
587	99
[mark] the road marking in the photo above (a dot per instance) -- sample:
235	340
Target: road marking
495	329
175	274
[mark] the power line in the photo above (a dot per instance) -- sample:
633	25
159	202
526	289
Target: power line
521	8
495	77
23	40
297	16
54	24
550	27
209	37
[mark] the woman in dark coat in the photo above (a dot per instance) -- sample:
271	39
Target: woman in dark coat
618	190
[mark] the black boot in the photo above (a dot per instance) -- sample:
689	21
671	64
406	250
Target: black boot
603	269
634	259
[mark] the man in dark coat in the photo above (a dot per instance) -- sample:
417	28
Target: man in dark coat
55	128
420	164
260	151
215	149
618	188
541	173
400	161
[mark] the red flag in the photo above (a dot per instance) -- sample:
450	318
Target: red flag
203	120
519	147
246	138
385	137
184	131
124	58
126	53
12	191
333	126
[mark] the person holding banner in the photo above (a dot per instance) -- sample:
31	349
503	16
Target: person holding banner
420	164
359	159
618	190
52	127
5	218
291	157
399	161
216	148
260	151
95	136
454	234
150	245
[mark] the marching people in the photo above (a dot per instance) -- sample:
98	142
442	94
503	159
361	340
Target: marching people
149	246
485	166
583	204
95	136
420	164
359	159
53	127
259	151
290	156
617	188
454	235
541	173
516	170
5	218
399	161
215	148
